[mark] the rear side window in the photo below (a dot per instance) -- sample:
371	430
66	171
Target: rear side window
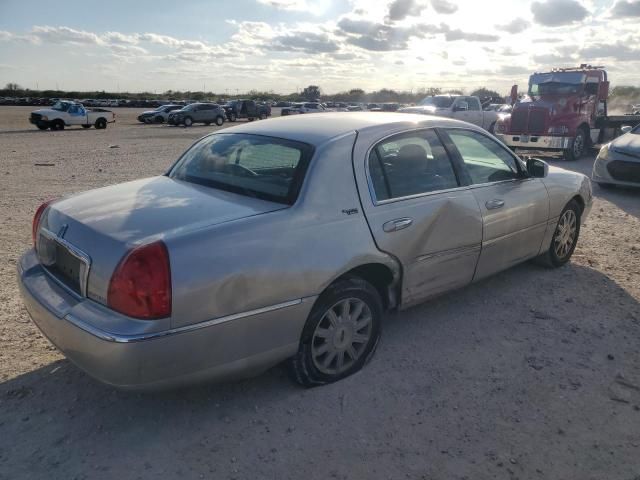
410	164
484	159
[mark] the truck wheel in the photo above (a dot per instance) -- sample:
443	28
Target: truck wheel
233	117
577	147
101	124
57	125
188	121
86	126
219	120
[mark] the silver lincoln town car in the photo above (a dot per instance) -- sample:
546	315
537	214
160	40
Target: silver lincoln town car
287	240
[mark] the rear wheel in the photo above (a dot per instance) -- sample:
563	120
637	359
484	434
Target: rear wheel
565	237
188	121
101	124
233	117
340	335
577	147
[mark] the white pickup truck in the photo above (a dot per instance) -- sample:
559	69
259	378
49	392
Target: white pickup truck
65	113
460	107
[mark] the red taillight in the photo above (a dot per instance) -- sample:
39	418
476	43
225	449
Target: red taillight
36	220
140	287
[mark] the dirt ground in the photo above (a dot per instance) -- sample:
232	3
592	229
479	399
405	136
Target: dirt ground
530	374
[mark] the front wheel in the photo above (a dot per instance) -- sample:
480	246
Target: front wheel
219	120
577	147
340	335
159	119
565	237
57	125
188	121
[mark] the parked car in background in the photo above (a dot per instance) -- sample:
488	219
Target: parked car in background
66	113
206	113
308	107
460	107
618	162
248	109
159	115
287	240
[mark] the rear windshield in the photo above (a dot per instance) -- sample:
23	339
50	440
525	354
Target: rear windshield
253	165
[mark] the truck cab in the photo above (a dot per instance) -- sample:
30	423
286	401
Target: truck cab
564	110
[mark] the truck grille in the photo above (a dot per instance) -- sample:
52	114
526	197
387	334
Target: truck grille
537	120
624	171
519	121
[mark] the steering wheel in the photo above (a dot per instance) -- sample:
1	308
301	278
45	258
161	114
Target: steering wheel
240	170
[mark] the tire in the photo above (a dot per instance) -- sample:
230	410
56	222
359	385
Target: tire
233	117
262	116
57	125
159	119
86	126
188	121
101	124
313	364
577	148
42	126
559	252
219	120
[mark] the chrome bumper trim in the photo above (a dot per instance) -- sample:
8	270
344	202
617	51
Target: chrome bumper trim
110	337
535	141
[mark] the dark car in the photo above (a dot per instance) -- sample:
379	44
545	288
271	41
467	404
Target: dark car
159	115
206	113
248	109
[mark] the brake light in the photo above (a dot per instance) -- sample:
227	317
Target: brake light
140	287
36	220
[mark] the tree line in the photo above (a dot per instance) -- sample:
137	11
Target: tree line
310	93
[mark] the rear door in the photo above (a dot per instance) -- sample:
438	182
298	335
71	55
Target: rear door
419	211
515	207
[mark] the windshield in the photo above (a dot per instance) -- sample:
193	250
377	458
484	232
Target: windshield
262	167
61	106
556	83
438	101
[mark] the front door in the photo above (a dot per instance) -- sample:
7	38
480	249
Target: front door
419	212
515	208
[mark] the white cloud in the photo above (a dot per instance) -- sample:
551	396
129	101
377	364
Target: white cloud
66	35
444	7
554	13
516	25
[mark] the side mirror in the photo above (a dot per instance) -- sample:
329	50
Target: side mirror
537	168
603	92
626	129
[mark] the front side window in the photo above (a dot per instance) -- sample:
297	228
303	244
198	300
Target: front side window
257	166
485	160
410	164
474	104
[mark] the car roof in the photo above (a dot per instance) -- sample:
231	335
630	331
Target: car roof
317	128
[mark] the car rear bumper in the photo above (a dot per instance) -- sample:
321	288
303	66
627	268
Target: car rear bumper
236	346
534	142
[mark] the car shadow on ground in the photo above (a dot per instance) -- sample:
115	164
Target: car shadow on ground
540	342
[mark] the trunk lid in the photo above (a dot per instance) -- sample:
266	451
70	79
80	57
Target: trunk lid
103	224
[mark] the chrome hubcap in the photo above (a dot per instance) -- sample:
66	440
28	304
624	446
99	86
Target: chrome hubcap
341	336
565	233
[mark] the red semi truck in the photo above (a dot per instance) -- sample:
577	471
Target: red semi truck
565	110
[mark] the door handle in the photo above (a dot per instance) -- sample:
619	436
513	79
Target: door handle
495	203
397	224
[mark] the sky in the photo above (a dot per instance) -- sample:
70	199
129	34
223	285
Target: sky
285	45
